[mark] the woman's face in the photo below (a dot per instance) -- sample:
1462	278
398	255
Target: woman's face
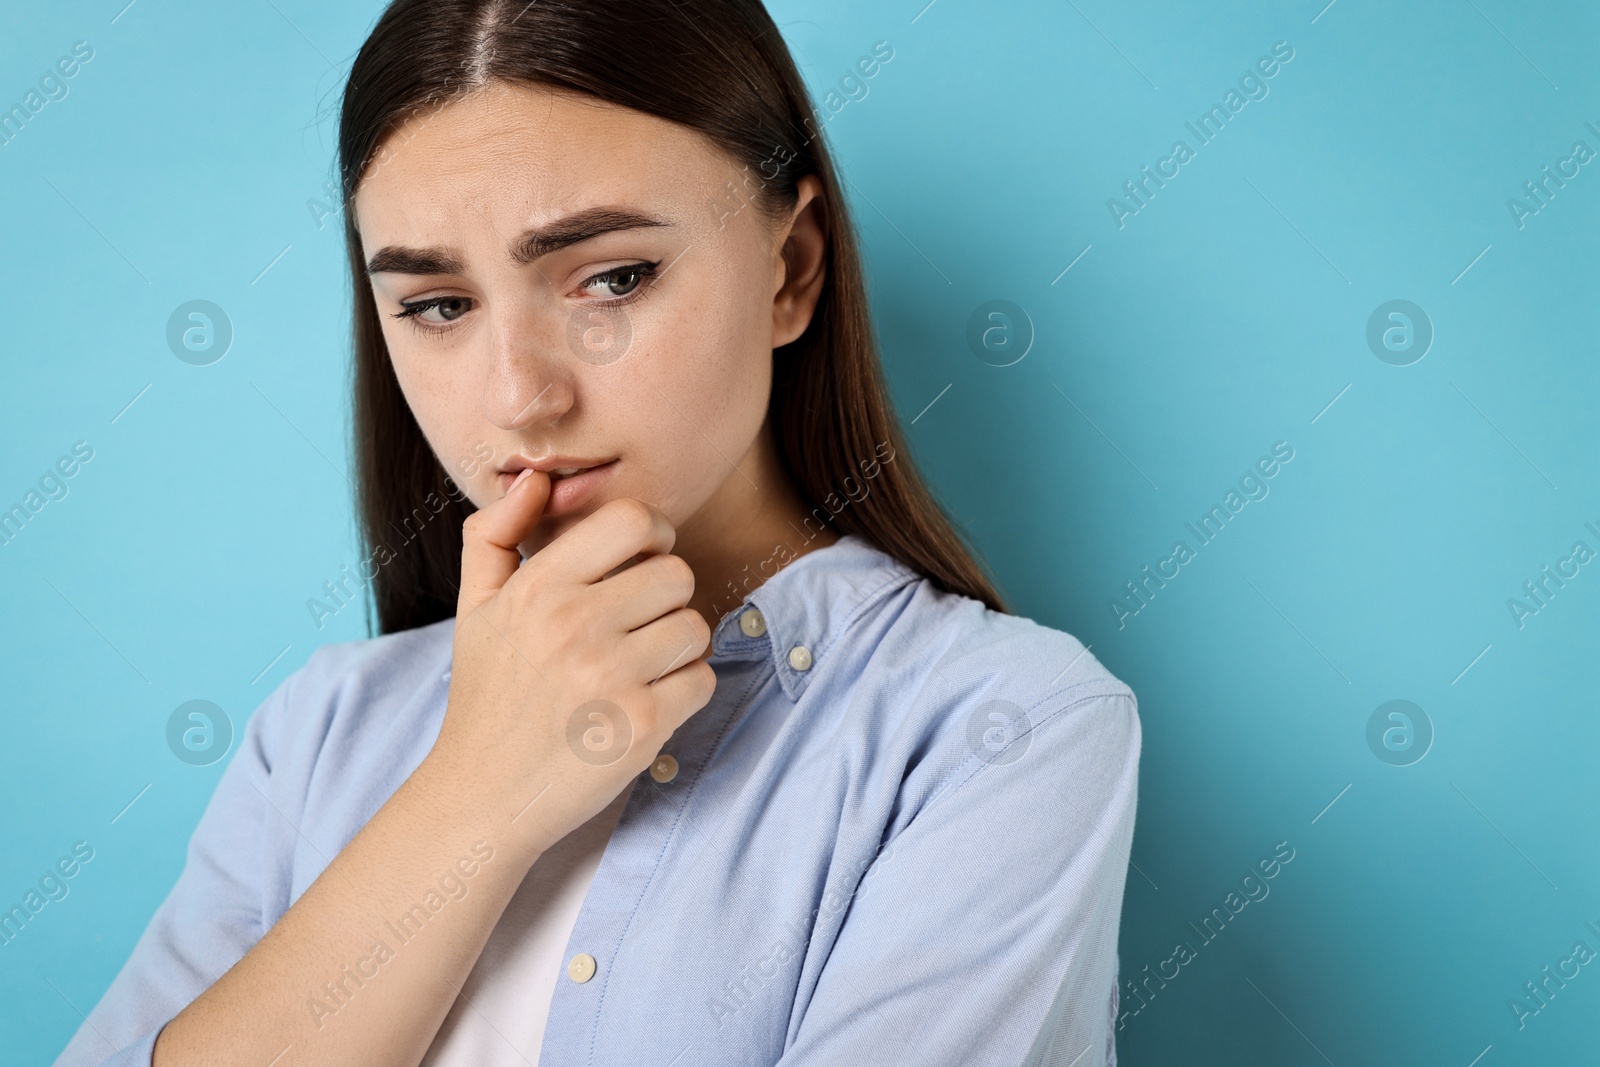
559	278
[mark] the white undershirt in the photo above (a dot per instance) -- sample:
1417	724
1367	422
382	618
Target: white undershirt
499	1017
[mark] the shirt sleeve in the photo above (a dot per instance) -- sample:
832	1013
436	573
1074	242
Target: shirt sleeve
208	921
986	930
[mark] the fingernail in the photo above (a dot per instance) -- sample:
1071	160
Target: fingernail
518	480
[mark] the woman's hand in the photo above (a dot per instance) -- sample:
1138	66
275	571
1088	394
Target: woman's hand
567	678
538	649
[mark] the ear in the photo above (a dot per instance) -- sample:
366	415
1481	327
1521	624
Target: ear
801	264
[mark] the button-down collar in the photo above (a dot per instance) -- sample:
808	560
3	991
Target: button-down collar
807	604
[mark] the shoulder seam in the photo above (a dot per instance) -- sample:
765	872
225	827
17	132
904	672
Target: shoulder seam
966	771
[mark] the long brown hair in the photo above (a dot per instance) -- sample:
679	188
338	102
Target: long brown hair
716	66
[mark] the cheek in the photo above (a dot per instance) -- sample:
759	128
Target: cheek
696	400
721	362
722	339
443	407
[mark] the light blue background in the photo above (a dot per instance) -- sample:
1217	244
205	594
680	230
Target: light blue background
1227	315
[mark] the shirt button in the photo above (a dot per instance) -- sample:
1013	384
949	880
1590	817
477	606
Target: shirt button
664	769
752	623
800	658
581	969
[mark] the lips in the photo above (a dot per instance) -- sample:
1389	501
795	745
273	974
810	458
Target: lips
557	467
573	492
573	480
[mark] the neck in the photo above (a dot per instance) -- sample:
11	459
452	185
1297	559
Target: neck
750	528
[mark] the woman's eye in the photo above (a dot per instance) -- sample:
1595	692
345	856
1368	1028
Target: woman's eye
450	309
622	281
620	284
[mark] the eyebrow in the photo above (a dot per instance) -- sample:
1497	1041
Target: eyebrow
527	247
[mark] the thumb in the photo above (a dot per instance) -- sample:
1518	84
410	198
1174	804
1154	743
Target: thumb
490	536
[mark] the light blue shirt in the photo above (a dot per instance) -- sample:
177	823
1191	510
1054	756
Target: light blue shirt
908	848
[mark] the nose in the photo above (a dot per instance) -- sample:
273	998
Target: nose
527	382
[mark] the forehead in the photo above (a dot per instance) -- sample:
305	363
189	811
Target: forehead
516	152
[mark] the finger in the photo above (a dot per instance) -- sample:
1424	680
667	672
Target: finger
490	536
646	591
681	693
661	647
601	542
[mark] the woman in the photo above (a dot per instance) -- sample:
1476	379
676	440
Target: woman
694	734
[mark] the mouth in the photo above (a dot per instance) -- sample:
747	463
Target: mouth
570	487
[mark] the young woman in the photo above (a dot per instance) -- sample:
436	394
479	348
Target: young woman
694	735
